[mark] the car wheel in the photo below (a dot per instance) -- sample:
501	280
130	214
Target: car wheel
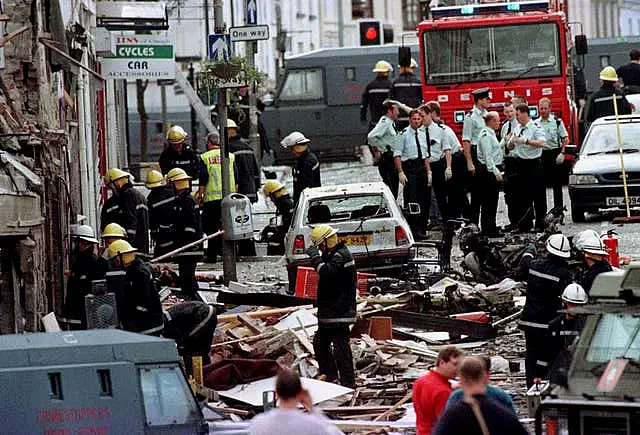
577	214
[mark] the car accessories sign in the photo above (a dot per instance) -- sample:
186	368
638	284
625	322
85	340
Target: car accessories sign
141	57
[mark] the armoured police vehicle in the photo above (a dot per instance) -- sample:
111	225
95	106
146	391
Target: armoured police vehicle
320	96
102	381
601	394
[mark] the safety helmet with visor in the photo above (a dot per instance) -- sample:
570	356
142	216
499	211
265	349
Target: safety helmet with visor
574	294
321	233
84	232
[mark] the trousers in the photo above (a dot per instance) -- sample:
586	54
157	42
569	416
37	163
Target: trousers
474	187
333	353
187	271
553	175
535	363
416	191
388	172
212	222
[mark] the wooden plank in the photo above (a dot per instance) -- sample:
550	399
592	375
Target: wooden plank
254	325
428	322
395	407
260	314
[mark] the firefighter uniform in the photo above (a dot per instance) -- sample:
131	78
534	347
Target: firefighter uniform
191	325
414	151
546	280
376	91
384	138
473	123
336	310
555	132
248	173
187	229
186	159
211	179
589	274
135	217
490	158
284	208
160	203
306	173
600	103
562	333
406	89
142	311
111	211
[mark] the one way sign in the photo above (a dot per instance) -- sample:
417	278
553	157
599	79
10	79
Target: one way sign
249	33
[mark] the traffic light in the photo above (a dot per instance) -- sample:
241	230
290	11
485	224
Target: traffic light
370	32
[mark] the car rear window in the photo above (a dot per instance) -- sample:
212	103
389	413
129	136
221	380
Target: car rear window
345	208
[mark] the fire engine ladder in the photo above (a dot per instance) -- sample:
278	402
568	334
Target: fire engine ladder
202	112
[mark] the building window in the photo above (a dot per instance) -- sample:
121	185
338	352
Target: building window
361	9
411	14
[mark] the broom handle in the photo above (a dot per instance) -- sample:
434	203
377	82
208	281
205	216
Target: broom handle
624	173
190	245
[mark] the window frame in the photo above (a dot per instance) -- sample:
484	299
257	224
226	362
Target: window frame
301	100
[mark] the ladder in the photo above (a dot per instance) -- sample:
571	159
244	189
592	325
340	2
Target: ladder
202	111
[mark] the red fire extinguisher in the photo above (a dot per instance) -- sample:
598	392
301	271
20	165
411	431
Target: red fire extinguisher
610	242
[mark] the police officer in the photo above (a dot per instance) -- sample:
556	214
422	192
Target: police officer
553	154
111	211
383	139
210	192
414	172
490	173
191	325
160	203
406	89
546	279
375	93
84	269
600	103
336	304
473	123
248	180
141	310
134	216
306	173
276	191
186	229
178	154
510	171
594	257
526	147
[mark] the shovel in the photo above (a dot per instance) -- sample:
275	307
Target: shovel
628	218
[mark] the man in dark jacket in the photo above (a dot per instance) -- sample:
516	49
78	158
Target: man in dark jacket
336	304
141	310
134	214
160	203
276	191
600	103
111	211
375	93
406	89
179	155
85	268
630	73
187	228
248	180
306	173
546	280
191	325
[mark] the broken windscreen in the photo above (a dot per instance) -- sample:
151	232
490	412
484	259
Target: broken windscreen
345	208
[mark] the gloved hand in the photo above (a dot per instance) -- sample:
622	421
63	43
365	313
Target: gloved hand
313	251
448	174
403	178
519	140
560	159
429	178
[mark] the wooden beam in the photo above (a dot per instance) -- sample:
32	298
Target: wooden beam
49	44
10	36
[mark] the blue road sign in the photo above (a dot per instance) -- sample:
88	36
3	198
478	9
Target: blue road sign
252	12
219	47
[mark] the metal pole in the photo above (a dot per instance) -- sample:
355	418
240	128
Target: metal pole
194	118
340	25
228	246
206	22
163	103
254	140
279	43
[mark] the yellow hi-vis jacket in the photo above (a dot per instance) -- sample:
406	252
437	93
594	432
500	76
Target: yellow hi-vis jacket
213	189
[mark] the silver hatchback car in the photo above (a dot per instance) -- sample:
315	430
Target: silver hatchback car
368	221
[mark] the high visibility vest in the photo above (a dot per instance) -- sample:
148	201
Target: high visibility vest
213	190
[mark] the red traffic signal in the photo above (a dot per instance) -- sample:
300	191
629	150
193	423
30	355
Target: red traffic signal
370	32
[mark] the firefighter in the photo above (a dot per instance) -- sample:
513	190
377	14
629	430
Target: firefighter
414	172
141	310
276	191
134	212
178	154
191	325
600	103
306	173
84	269
111	211
336	304
490	173
406	89
546	279
186	229
210	192
553	154
594	257
375	93
111	233
160	203
473	123
383	140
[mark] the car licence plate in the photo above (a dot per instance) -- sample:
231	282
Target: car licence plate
618	201
356	239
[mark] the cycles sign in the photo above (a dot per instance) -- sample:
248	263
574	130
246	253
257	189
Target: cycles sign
141	57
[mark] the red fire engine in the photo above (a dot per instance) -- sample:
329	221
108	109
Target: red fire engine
514	48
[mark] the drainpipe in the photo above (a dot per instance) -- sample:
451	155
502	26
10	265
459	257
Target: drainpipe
87	167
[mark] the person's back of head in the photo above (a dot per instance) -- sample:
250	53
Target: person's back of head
288	385
634	54
472	371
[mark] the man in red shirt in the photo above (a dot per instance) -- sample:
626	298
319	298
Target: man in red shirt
431	391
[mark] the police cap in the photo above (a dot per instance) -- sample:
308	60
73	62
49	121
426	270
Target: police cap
480	93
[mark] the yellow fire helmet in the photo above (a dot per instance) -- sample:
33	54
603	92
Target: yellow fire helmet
114	230
271	187
176	173
123	248
609	74
321	233
154	179
382	66
114	174
176	134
